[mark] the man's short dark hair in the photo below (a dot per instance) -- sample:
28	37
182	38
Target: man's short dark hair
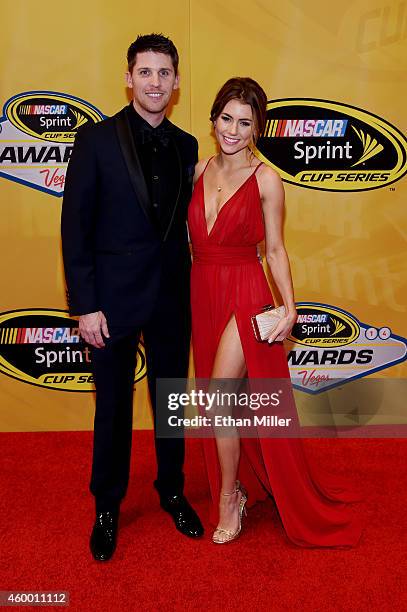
158	43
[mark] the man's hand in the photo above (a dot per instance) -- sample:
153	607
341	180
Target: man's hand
91	327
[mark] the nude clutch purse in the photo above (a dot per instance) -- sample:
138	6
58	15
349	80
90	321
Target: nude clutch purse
265	321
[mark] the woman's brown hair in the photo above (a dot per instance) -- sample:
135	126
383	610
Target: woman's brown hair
247	91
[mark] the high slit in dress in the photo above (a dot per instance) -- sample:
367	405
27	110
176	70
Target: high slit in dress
228	280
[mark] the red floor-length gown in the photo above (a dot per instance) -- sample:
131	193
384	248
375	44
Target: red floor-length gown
227	279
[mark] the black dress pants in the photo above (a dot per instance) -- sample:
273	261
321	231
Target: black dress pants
167	342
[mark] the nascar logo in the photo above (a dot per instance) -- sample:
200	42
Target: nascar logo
37	133
329	347
43	347
36	335
42	109
324	326
306	128
319	144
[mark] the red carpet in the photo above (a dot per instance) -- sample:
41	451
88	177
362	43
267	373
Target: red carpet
47	514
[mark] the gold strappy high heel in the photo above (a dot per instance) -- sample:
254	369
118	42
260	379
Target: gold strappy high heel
223	536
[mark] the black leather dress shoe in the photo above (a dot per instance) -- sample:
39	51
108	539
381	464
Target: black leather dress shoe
185	518
104	535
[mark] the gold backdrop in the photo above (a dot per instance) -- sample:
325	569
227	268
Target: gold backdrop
346	249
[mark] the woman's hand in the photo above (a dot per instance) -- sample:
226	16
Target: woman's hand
283	328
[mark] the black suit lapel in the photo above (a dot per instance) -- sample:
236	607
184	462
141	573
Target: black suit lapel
131	158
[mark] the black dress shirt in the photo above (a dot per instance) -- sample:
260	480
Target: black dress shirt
159	161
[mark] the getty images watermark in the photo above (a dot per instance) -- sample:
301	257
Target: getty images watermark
225	407
265	408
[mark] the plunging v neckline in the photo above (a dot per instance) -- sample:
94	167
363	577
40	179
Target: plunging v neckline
208	233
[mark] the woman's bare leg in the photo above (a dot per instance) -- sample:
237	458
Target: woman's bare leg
229	363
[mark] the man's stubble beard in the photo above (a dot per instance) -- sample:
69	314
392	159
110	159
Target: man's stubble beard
155	110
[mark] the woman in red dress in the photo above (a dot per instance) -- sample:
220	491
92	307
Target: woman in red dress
237	203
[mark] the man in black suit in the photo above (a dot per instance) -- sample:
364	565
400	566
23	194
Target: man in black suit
127	265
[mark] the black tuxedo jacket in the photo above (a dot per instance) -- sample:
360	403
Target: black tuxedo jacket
116	259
